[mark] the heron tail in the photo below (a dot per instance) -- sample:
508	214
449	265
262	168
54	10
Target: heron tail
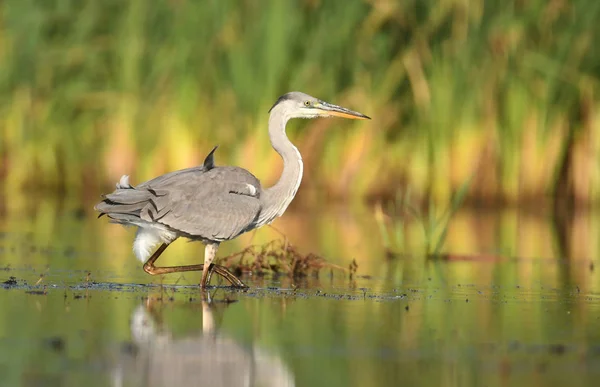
125	204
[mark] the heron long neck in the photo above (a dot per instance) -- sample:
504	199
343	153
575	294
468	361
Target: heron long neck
277	198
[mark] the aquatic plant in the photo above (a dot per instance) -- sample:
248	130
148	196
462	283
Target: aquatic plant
277	257
434	222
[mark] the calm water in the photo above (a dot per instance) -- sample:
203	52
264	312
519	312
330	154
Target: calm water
517	303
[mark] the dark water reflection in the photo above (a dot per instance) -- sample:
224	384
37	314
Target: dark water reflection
517	303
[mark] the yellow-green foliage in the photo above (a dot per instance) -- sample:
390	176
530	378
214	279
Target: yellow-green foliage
90	90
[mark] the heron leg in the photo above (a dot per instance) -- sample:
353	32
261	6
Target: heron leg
221	270
209	255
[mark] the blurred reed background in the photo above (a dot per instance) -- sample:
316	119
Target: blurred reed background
504	92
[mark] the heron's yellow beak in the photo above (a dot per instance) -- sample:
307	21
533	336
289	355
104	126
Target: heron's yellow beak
338	111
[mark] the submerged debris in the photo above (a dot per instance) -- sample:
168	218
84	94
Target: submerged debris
11	281
276	257
37	292
56	343
353	267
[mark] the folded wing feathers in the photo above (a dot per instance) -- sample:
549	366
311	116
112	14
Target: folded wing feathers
201	201
126	202
209	161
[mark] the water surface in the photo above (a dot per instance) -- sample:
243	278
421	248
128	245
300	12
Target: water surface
514	304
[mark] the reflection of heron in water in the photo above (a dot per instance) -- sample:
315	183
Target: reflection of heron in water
214	204
208	359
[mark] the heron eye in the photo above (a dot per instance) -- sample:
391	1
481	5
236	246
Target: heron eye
307	103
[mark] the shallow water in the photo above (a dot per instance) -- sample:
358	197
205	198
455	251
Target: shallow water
513	305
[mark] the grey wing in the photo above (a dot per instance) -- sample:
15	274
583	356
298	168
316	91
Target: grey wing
218	204
125	204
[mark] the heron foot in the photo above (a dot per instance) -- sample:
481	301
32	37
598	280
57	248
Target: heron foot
221	270
225	273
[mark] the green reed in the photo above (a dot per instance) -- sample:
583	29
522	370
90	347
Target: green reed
404	214
505	90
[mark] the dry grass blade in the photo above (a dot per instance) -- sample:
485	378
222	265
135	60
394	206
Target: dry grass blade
277	257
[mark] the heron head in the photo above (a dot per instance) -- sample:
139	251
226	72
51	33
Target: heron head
300	105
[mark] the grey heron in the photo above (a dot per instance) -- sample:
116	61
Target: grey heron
213	204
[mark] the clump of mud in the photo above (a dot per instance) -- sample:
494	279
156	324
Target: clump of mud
278	257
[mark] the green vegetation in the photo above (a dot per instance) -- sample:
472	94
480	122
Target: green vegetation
506	91
402	212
